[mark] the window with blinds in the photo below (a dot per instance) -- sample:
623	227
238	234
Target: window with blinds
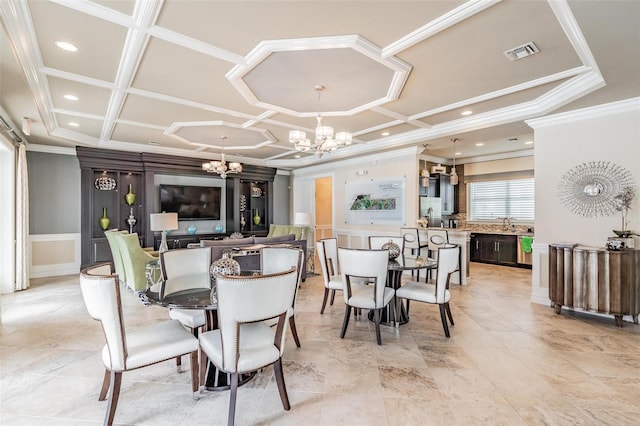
502	198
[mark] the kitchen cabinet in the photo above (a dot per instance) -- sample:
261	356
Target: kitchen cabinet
439	186
494	248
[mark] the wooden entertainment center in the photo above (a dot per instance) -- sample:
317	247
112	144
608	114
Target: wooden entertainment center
121	169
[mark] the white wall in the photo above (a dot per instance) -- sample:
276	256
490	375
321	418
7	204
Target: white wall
396	164
609	133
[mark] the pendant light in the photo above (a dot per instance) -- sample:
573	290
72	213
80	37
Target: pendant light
453	179
424	172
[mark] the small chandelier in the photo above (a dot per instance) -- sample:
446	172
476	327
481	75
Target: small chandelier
324	140
222	167
453	179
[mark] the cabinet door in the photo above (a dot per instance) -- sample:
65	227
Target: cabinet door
507	249
488	247
474	248
447	195
431	190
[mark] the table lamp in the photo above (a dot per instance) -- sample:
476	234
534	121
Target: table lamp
304	220
164	222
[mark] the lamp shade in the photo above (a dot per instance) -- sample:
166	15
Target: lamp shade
163	221
303	219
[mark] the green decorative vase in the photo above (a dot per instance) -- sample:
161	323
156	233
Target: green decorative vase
257	218
104	221
130	197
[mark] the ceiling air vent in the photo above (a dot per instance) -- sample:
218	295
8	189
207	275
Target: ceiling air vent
521	51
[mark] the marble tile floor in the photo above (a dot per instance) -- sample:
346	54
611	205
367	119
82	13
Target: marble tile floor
508	362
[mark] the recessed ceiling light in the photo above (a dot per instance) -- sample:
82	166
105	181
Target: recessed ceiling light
73	124
467	112
297	156
66	46
528	143
458	153
385	133
71	97
480	144
154	143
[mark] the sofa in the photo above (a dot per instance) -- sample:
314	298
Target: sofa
300	232
218	247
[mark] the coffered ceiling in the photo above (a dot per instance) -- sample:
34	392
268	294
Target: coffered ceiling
198	78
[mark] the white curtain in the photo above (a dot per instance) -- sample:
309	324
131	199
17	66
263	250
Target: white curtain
22	221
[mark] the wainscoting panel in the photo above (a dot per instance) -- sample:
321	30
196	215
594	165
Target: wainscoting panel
54	254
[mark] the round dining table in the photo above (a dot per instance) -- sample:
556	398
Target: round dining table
395	268
194	291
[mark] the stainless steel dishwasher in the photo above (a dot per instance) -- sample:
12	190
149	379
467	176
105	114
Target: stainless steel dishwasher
524	258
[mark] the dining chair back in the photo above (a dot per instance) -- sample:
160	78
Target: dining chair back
376	242
243	342
327	249
125	351
411	240
364	274
280	259
176	263
438	292
437	238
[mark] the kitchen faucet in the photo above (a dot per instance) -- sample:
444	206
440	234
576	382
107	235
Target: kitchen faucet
506	223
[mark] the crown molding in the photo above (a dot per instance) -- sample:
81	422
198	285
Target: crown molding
618	107
51	149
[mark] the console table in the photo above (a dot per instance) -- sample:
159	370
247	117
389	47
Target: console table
595	279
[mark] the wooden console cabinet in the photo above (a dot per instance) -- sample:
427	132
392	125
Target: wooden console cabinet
595	279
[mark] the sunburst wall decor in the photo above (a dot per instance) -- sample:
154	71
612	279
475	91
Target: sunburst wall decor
589	188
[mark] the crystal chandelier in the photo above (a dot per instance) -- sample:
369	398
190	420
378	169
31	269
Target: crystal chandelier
222	167
324	140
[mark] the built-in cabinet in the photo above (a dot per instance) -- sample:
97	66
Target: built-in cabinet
121	169
439	186
254	206
494	248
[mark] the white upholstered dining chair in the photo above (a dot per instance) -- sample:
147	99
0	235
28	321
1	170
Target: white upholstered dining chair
244	342
280	259
327	249
178	263
370	266
438	292
126	351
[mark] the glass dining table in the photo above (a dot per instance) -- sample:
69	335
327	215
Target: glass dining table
395	268
195	291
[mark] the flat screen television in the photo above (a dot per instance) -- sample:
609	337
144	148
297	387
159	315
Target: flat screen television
191	202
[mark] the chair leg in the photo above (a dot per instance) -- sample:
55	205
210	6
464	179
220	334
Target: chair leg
324	300
345	323
193	358
282	389
114	394
333	296
232	399
202	370
179	364
376	316
407	308
294	331
105	385
443	318
448	309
